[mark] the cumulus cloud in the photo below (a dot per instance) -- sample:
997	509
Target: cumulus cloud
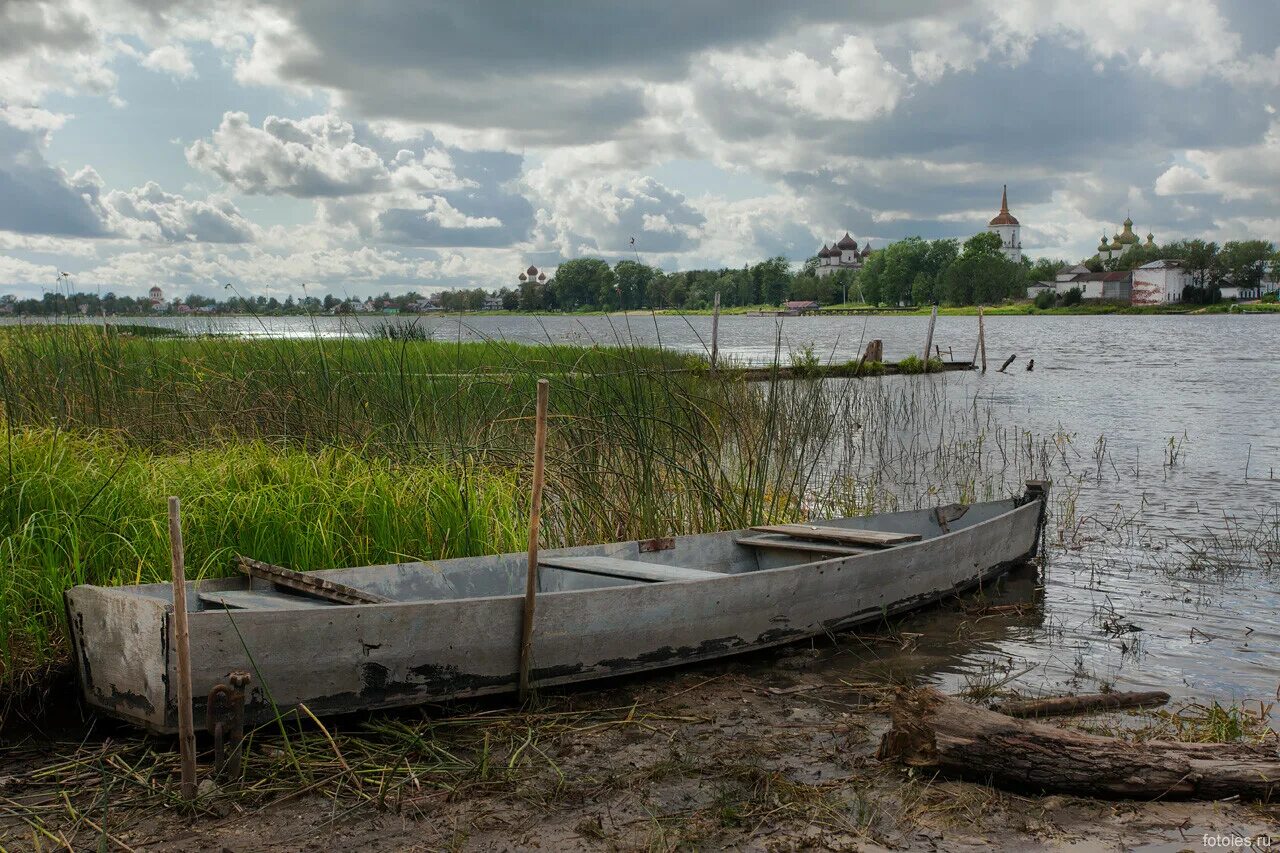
150	213
466	134
1246	172
856	84
600	213
19	271
43	199
171	59
314	157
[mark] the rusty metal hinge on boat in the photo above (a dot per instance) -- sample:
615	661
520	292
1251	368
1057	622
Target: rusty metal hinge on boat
225	721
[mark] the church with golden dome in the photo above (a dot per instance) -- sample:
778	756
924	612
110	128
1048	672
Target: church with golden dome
1123	242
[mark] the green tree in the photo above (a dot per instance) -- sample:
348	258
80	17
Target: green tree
1045	269
1199	258
774	279
1243	262
871	278
583	283
903	261
982	274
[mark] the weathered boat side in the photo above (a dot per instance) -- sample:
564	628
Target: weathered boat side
340	659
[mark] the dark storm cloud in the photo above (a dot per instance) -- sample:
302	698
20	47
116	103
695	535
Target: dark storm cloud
497	38
1053	110
1257	23
557	73
41	199
28	26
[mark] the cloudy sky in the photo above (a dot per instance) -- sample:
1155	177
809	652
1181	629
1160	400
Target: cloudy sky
397	144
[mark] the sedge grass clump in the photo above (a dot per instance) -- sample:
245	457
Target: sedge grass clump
914	364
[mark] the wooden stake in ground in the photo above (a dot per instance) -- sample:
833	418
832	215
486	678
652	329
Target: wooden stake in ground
939	734
715	331
982	340
928	340
182	640
535	517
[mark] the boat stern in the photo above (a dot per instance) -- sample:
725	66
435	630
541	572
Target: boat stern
120	642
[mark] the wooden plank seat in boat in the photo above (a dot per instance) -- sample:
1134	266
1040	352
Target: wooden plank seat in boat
786	543
252	599
843	535
630	569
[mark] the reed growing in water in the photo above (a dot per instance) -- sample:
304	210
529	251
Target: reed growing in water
317	453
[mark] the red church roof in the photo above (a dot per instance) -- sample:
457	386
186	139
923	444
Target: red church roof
1004	217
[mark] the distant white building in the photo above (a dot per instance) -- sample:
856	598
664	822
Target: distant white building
493	302
1159	282
1008	228
843	255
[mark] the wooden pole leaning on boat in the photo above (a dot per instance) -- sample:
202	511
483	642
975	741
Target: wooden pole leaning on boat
182	641
535	518
928	340
715	332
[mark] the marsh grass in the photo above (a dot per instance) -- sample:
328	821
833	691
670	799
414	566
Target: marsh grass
87	509
317	453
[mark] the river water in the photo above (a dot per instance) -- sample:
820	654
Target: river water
1164	569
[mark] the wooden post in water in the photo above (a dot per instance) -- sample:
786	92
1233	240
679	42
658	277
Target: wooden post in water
928	341
715	331
535	517
182	640
982	340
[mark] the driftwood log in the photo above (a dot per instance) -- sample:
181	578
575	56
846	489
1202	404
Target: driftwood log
1080	704
935	732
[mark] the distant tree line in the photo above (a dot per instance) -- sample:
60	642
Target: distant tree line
913	271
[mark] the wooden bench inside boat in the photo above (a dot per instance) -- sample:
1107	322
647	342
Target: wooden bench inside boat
260	599
786	543
630	569
841	535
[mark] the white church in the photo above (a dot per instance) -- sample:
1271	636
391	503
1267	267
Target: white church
1008	228
843	255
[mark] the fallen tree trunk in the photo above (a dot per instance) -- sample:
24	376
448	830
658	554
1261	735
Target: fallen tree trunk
1080	704
935	732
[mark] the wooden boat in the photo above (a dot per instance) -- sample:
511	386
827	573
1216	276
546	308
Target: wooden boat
450	629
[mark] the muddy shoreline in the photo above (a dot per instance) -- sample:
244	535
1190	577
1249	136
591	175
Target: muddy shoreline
772	751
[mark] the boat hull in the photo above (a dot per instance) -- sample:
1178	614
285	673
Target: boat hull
350	658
